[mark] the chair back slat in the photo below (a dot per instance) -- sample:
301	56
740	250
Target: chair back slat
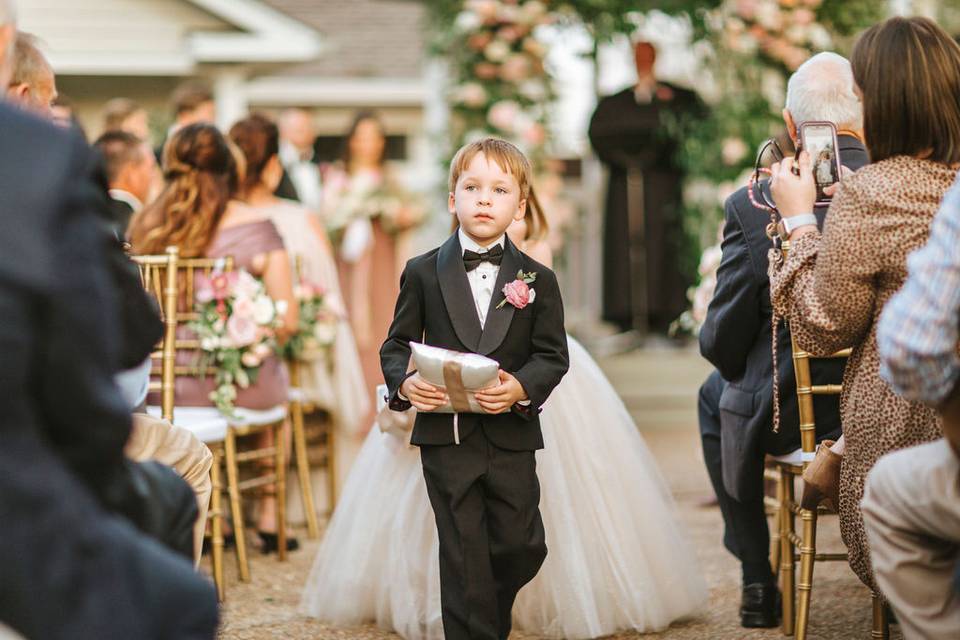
171	279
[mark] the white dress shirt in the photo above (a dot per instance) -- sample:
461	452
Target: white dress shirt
305	175
482	279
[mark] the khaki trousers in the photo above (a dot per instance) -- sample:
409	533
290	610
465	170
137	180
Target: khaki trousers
911	511
155	439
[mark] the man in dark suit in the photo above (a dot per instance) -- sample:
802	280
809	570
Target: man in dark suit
301	171
130	169
643	285
736	401
480	468
70	568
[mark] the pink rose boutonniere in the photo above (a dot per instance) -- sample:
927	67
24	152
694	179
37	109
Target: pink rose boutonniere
518	293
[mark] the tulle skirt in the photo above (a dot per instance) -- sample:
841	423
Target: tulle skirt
618	558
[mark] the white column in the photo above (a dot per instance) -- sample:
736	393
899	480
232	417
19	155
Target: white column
229	92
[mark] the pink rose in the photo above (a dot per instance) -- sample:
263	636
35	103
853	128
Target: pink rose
518	293
486	70
223	284
243	307
479	41
241	330
204	289
534	134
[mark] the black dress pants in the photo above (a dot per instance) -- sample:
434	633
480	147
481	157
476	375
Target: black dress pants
746	533
486	503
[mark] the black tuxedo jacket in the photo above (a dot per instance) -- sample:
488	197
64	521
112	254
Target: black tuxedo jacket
436	307
736	339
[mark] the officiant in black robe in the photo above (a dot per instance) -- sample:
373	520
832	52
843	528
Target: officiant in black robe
643	226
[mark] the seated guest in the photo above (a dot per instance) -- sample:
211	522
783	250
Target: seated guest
333	382
32	85
834	284
123	114
911	503
736	401
72	568
130	167
192	104
163	506
199	213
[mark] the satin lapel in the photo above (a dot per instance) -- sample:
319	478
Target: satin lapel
457	295
498	320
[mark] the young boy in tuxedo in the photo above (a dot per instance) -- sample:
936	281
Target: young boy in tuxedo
478	293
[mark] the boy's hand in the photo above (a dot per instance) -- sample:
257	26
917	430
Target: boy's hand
421	394
500	398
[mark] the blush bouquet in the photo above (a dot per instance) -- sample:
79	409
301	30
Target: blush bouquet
317	329
236	327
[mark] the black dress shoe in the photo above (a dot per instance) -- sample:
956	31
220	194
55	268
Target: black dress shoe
269	543
760	606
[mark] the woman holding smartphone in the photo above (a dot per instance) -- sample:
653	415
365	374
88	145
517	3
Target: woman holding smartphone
833	286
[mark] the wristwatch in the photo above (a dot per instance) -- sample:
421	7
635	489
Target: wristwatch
793	222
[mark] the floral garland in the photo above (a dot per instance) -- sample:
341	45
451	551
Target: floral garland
501	87
236	327
751	47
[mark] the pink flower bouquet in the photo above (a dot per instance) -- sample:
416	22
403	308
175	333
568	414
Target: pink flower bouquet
318	324
236	326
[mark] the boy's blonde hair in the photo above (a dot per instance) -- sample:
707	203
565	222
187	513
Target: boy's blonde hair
507	156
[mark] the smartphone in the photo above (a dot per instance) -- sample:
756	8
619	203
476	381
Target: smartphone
819	139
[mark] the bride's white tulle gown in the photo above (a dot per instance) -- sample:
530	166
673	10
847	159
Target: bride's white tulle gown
617	560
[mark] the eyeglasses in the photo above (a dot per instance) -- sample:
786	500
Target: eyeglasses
753	187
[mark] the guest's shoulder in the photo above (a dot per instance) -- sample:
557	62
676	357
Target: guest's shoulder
892	179
29	138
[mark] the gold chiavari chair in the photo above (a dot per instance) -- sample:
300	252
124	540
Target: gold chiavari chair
214	428
298	407
797	590
159	277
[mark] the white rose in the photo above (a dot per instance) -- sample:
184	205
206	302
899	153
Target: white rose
325	332
250	360
467	21
263	310
247	286
208	344
497	51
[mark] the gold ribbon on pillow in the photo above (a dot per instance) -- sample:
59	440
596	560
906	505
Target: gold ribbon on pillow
460	374
453	381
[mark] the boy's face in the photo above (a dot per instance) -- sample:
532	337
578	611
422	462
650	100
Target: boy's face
487	199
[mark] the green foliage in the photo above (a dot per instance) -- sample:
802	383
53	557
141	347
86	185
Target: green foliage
849	17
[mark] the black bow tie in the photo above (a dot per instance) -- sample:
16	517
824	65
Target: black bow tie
472	259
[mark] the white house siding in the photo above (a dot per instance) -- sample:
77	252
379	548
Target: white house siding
133	37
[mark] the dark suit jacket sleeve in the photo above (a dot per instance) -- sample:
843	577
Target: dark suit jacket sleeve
88	424
549	359
407	325
733	317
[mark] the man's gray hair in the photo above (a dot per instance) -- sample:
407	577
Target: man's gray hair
822	89
8	14
29	63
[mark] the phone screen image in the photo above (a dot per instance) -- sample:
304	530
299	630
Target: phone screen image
819	143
